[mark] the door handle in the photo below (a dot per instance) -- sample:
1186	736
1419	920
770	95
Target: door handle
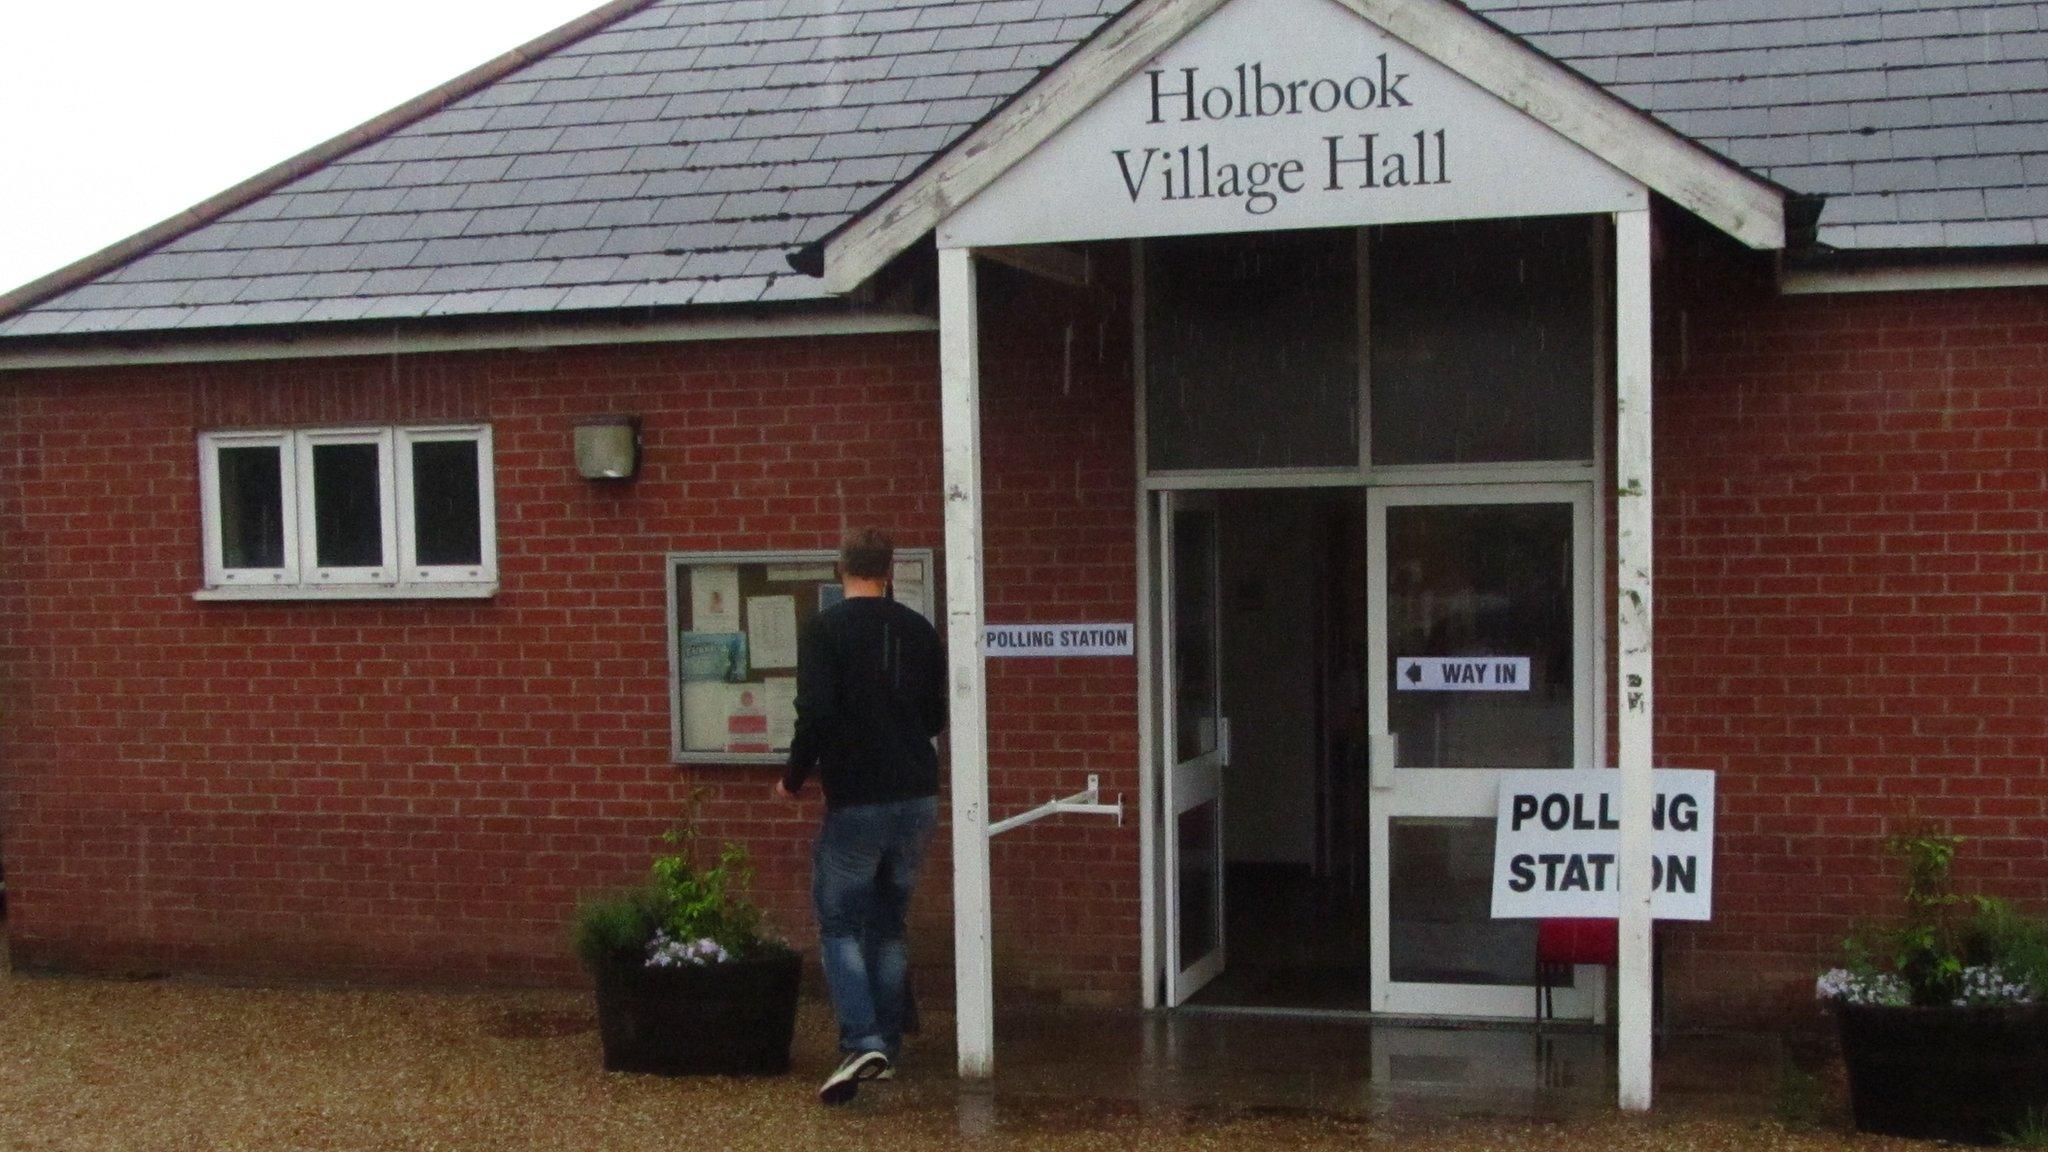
1382	750
1223	740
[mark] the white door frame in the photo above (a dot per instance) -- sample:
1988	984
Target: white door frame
1156	917
1469	793
1199	780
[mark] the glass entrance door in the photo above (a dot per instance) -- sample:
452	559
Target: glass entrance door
1480	627
1197	741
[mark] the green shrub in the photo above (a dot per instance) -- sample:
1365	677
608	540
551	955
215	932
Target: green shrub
2030	1132
2000	934
705	904
621	923
1948	949
682	903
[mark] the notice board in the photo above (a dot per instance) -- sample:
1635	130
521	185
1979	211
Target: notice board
733	623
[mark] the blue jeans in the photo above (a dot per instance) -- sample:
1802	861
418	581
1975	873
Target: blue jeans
862	873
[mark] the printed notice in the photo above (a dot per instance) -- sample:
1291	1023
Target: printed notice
714	656
746	721
1058	640
707	710
715	598
1461	674
779	699
907	585
771	631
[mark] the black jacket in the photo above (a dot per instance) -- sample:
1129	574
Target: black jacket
870	695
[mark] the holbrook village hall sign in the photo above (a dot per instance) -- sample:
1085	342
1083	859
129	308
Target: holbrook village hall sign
1224	132
1194	172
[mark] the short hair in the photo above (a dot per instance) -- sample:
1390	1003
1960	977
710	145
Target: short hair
868	554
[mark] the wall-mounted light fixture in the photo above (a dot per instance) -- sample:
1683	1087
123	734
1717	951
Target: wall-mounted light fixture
608	447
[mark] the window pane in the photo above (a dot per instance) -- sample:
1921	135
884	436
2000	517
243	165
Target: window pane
1440	907
1479	635
1483	338
447	524
348	513
1194	633
1251	351
1201	892
251	507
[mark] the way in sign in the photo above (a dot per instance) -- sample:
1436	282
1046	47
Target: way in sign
1462	674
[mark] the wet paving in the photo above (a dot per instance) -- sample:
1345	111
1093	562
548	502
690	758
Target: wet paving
174	1064
1358	1067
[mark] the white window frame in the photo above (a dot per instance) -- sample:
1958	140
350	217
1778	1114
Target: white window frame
309	548
218	574
400	576
410	569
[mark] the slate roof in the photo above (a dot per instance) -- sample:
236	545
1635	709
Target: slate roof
677	155
1924	123
674	157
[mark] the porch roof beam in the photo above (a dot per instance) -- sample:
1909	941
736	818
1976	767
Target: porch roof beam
1058	263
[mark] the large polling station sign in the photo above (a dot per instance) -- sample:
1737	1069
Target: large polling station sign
1559	839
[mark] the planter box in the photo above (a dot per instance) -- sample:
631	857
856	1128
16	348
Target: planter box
1964	1074
732	1019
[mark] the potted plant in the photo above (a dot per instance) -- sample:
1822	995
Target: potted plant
686	982
1941	1017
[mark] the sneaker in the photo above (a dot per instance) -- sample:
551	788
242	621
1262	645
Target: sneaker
844	1081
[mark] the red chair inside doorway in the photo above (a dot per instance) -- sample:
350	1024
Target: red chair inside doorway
1562	944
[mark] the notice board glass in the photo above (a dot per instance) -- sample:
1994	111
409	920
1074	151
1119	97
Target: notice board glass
733	623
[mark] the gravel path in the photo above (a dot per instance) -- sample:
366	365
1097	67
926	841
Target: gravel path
171	1065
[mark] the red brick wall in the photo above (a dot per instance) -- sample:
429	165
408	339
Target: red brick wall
1061	527
1852	582
1853	601
422	790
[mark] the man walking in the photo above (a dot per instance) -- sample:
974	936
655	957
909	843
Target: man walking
870	696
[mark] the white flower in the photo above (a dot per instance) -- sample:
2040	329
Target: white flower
665	951
1992	984
1861	988
1982	984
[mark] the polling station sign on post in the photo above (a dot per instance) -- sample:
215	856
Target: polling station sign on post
1057	640
1558	842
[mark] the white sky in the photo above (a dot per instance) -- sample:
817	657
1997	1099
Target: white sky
118	113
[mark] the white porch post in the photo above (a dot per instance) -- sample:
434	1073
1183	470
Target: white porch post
960	430
1633	540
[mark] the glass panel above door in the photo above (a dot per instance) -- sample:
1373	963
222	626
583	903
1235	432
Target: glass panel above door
1480	635
1251	351
1484	341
